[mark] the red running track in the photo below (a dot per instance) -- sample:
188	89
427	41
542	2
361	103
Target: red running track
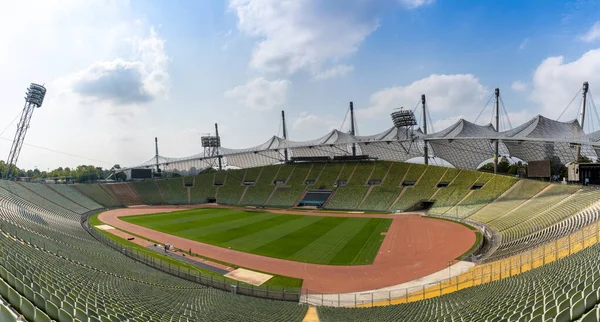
414	247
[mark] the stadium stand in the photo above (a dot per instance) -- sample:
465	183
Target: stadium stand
149	192
425	179
203	188
124	193
52	269
560	291
458	189
329	175
71	193
258	194
350	196
476	199
174	192
522	191
51	195
287	195
96	193
232	189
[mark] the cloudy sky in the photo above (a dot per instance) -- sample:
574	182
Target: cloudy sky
119	73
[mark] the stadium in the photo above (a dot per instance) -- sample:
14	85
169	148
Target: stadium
339	228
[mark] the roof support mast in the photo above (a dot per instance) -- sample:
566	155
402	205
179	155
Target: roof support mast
584	91
285	151
156	156
352	130
496	127
218	138
425	151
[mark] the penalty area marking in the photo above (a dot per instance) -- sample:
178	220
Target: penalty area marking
248	276
105	227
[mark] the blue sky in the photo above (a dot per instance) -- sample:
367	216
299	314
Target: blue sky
120	73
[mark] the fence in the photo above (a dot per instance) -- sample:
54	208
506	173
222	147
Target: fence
218	282
464	278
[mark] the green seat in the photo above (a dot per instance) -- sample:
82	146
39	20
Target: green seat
40	316
578	309
591	316
64	316
27	309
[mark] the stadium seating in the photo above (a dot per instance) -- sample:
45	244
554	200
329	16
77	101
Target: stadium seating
328	176
560	291
521	192
425	179
458	189
477	199
174	192
149	192
203	188
71	193
232	189
96	193
51	195
258	194
51	268
123	192
288	194
350	196
382	196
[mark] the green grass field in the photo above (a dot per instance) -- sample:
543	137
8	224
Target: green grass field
310	239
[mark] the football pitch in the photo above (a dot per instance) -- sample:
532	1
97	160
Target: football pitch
310	239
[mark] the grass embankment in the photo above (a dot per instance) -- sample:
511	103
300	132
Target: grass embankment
275	281
310	239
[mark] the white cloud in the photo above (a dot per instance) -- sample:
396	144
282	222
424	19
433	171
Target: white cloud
124	82
413	4
308	126
555	82
593	34
260	94
335	71
519	86
447	95
303	34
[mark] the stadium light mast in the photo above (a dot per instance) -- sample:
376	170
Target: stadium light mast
496	127
34	98
584	92
285	151
352	130
425	151
219	139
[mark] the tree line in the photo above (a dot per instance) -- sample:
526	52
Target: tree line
80	173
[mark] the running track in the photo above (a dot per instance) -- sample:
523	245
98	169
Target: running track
414	247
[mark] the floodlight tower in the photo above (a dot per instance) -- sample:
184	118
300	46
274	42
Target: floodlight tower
211	145
34	97
496	125
584	92
404	120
